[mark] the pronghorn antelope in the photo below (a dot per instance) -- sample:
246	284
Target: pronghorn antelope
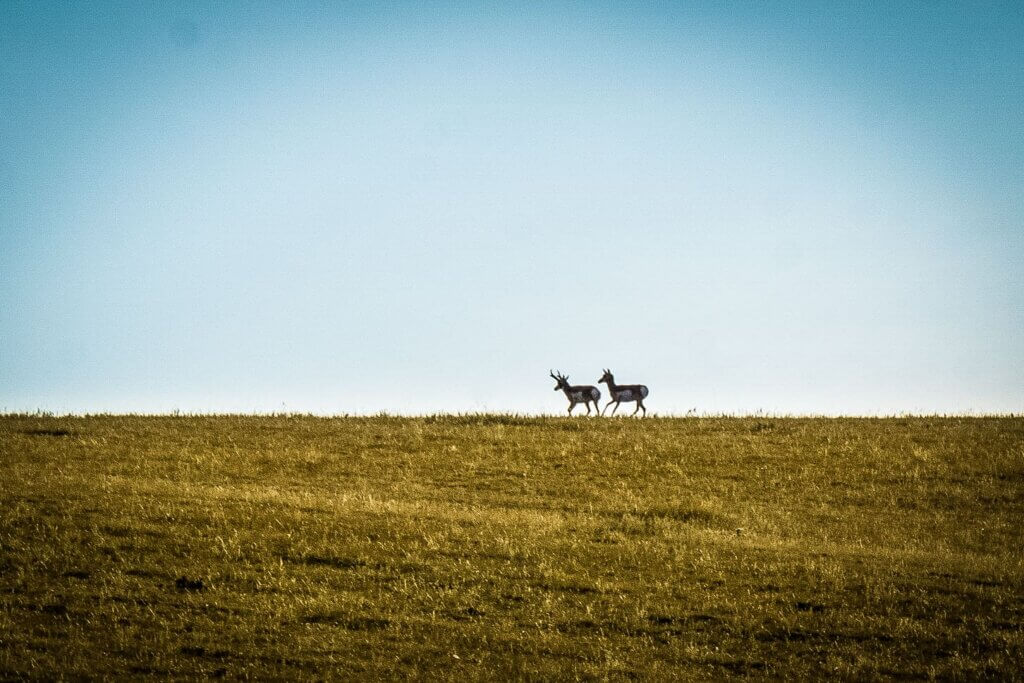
578	394
625	392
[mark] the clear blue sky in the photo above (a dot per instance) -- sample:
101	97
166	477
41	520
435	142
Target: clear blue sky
345	207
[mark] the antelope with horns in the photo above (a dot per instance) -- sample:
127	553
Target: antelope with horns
579	394
624	392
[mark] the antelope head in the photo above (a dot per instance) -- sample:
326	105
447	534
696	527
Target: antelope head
561	381
606	377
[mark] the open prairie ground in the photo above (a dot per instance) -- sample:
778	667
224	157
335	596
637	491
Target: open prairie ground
494	547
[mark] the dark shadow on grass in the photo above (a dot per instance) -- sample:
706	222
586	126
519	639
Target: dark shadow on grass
740	667
203	652
347	622
47	432
799	635
668	620
809	607
574	589
683	514
325	561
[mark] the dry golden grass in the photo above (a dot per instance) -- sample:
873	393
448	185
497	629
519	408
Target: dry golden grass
494	547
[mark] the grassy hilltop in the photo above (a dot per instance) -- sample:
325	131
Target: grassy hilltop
497	546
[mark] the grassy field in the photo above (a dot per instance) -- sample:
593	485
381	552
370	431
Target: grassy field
493	547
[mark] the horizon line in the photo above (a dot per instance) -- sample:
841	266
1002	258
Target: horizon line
515	415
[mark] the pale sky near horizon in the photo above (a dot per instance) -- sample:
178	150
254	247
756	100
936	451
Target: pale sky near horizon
423	207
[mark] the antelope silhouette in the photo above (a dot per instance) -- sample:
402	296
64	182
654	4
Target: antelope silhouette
623	392
579	394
